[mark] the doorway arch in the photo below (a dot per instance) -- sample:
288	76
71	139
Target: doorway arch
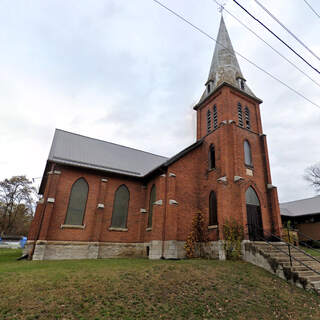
254	220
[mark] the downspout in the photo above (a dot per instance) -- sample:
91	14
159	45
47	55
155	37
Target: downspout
164	214
41	220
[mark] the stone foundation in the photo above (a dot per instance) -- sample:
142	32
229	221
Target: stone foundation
172	249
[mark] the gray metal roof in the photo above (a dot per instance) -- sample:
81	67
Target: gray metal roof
77	150
301	207
224	65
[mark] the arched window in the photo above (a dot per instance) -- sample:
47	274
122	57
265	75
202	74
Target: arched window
213	217
247	117
247	154
251	197
212	157
208	121
151	202
240	118
77	202
120	207
215	117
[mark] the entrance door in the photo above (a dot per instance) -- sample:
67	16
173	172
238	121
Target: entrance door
254	220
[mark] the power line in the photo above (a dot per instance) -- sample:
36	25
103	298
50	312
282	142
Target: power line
239	54
275	50
284	27
314	11
296	53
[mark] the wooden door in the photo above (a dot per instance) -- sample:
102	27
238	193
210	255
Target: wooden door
254	223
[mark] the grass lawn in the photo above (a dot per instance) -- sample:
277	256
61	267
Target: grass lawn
313	252
143	289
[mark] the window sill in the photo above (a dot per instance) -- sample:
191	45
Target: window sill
213	227
212	169
249	166
149	229
72	226
118	229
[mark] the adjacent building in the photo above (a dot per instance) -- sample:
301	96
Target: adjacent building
304	215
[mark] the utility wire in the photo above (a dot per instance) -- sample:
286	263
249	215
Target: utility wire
239	54
285	28
314	11
310	65
275	50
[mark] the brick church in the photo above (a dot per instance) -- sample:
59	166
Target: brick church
104	200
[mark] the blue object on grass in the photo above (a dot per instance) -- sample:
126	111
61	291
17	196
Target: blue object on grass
23	241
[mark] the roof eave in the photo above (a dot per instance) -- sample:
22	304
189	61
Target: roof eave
175	157
200	103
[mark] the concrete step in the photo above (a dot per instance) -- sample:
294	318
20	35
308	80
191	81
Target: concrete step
282	249
299	256
282	259
316	284
306	273
300	262
311	264
312	278
297	268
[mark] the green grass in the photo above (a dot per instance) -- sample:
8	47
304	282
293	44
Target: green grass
313	252
143	289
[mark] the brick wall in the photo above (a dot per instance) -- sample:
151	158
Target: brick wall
187	181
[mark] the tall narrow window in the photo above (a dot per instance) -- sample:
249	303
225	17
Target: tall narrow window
247	154
151	202
212	157
77	202
215	117
247	117
208	121
240	118
120	207
242	84
213	217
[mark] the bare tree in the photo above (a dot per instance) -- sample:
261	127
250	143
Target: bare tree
312	174
17	200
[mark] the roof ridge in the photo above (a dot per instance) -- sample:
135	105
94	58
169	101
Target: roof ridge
299	200
116	144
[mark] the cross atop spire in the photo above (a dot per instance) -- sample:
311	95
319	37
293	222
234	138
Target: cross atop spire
224	65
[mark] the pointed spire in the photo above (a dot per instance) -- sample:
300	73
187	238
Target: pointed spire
224	65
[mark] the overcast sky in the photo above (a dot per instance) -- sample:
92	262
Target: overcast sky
129	72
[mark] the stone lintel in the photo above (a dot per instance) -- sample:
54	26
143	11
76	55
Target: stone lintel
223	179
237	178
158	203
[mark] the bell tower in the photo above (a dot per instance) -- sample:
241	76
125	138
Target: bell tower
229	123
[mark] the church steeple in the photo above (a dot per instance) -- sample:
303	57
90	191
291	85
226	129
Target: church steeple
224	66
